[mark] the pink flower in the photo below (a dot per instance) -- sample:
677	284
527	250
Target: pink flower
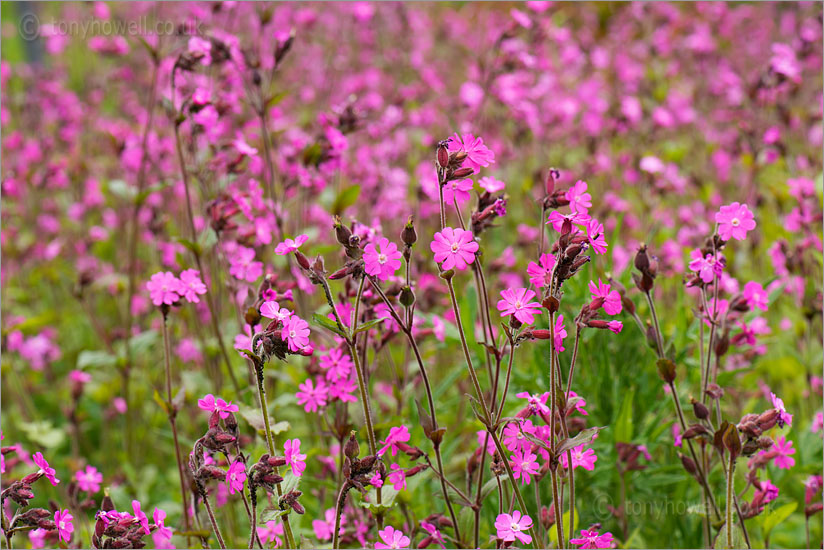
140	516
676	434
434	532
162	535
89	480
514	438
63	521
615	326
784	416
325	528
591	539
595	235
163	288
294	459
337	364
191	285
477	154
556	219
560	333
289	245
376	480
381	261
580	457
397	477
539	274
579	200
242	265
271	532
392	538
734	221
706	267
210	404
271	310
296	333
201	49
536	403
756	296
236	477
312	397
511	527
781	451
517	303
398	434
603	296
492	185
524	465
45	469
454	247
457	190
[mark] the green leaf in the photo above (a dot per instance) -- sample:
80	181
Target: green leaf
553	532
160	401
88	358
270	514
623	424
345	199
388	494
369	324
327	323
772	517
584	437
738	540
43	433
190	246
290	482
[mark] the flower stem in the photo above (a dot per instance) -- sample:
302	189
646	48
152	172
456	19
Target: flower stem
172	414
341	501
730	484
264	409
211	515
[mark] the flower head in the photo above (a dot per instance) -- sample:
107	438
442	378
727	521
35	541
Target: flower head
756	296
294	458
382	261
190	285
457	190
524	465
164	288
560	333
579	199
602	296
591	539
784	416
477	154
63	521
289	245
595	235
707	267
397	477
312	397
296	333
211	404
734	221
580	457
397	434
140	516
236	477
454	248
511	527
45	469
539	273
271	310
89	480
392	538
517	303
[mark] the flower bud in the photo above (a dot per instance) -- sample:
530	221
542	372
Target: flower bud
351	449
303	261
688	464
732	441
407	297
461	173
443	155
700	410
408	234
342	233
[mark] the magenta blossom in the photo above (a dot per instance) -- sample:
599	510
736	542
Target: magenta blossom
289	245
492	185
784	417
511	527
398	434
783	449
756	296
191	285
454	247
591	539
271	310
397	477
603	296
164	288
45	469
734	221
312	397
381	261
560	333
477	154
89	480
296	333
162	535
540	273
556	219
517	303
294	458
457	190
212	404
595	236
140	516
579	199
236	477
524	465
63	522
271	532
392	538
706	266
580	457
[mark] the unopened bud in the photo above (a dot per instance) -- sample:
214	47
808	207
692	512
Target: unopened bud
461	173
408	234
303	261
407	297
342	233
351	449
443	156
700	410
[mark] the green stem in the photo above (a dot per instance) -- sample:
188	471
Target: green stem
730	472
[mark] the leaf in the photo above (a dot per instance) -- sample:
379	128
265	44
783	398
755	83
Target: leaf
738	540
369	324
345	199
43	433
191	246
88	358
584	437
623	423
327	323
388	494
770	518
290	482
161	402
275	99
553	532
270	514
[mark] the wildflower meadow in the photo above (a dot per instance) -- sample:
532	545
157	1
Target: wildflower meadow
411	275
